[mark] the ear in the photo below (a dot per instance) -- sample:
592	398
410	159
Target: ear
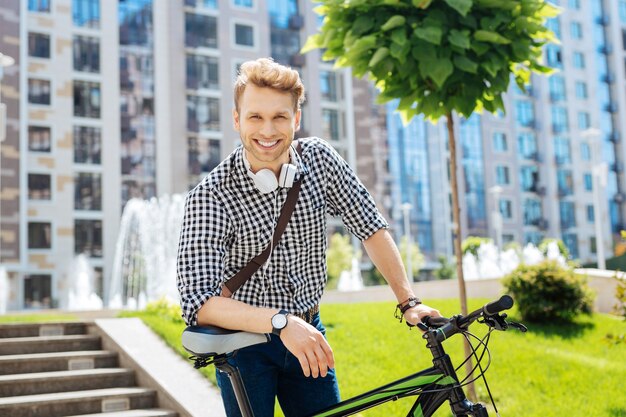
236	120
297	120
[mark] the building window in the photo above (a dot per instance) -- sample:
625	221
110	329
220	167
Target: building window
499	142
591	218
243	3
576	30
585	151
87	99
203	113
87	191
565	182
579	60
39	187
38	91
554	25
532	212
553	56
622	11
87	145
525	113
502	175
574	4
200	31
39	6
588	181
527	145
86	54
571	241
581	90
38	291
557	87
38	45
205	4
592	244
559	119
331	129
506	209
584	120
562	150
202	72
39	139
86	13
568	218
244	35
330	85
88	238
39	235
529	178
203	155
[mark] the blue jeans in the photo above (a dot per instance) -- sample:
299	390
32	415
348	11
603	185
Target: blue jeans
268	371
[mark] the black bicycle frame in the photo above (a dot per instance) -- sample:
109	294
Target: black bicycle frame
433	386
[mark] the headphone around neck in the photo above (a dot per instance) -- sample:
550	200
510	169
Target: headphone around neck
265	180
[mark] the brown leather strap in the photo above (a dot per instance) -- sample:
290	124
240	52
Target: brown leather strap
255	263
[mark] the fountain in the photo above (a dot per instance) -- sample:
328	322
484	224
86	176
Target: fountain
4	290
80	287
492	263
144	267
351	280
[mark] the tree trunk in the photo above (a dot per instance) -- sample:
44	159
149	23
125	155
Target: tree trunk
456	225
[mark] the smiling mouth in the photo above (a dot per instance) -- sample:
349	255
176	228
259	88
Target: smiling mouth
266	144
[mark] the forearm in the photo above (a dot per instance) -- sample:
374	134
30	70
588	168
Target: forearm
235	315
383	252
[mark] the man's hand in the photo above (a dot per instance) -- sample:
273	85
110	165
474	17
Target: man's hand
416	314
307	344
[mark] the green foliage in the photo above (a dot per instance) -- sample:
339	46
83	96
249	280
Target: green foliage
437	56
447	270
417	258
547	291
620	296
543	247
165	309
472	243
338	258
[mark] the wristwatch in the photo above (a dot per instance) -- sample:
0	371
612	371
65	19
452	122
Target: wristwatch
412	302
279	322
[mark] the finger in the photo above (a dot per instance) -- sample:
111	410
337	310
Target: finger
304	363
313	365
330	356
322	363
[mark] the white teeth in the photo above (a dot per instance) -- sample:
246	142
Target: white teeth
268	144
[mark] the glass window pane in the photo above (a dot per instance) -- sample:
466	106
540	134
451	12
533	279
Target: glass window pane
39	139
39	187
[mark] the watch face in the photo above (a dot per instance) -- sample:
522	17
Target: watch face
279	321
412	303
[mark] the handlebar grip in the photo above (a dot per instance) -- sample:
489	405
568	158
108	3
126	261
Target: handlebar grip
504	303
435	321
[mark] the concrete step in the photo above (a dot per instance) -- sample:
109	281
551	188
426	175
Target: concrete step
57	361
154	412
65	381
24	345
77	403
42	329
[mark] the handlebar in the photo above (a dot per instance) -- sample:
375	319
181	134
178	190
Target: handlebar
446	327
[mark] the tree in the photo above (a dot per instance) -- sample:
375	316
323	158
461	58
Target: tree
438	57
338	258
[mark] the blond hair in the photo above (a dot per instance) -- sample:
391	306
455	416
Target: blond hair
264	72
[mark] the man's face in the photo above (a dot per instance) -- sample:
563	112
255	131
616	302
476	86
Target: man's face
266	123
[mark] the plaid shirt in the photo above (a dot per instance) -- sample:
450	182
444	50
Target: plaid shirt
227	222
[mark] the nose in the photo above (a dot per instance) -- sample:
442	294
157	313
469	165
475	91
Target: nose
268	130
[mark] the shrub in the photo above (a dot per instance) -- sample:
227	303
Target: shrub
472	243
547	291
620	295
166	309
447	270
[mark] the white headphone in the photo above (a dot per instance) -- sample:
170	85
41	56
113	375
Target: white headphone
265	180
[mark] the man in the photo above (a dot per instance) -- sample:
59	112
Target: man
230	218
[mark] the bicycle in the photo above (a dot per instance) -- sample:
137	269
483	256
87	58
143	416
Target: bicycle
433	386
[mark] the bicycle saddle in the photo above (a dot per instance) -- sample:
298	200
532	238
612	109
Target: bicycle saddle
212	341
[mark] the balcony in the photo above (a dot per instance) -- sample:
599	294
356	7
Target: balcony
564	192
619	198
603	20
606	49
611	107
608	78
617	167
541	223
557	97
615	137
541	191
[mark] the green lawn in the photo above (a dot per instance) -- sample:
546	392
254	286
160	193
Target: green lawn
37	317
553	370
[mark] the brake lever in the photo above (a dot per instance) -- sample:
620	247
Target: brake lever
497	321
518	326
